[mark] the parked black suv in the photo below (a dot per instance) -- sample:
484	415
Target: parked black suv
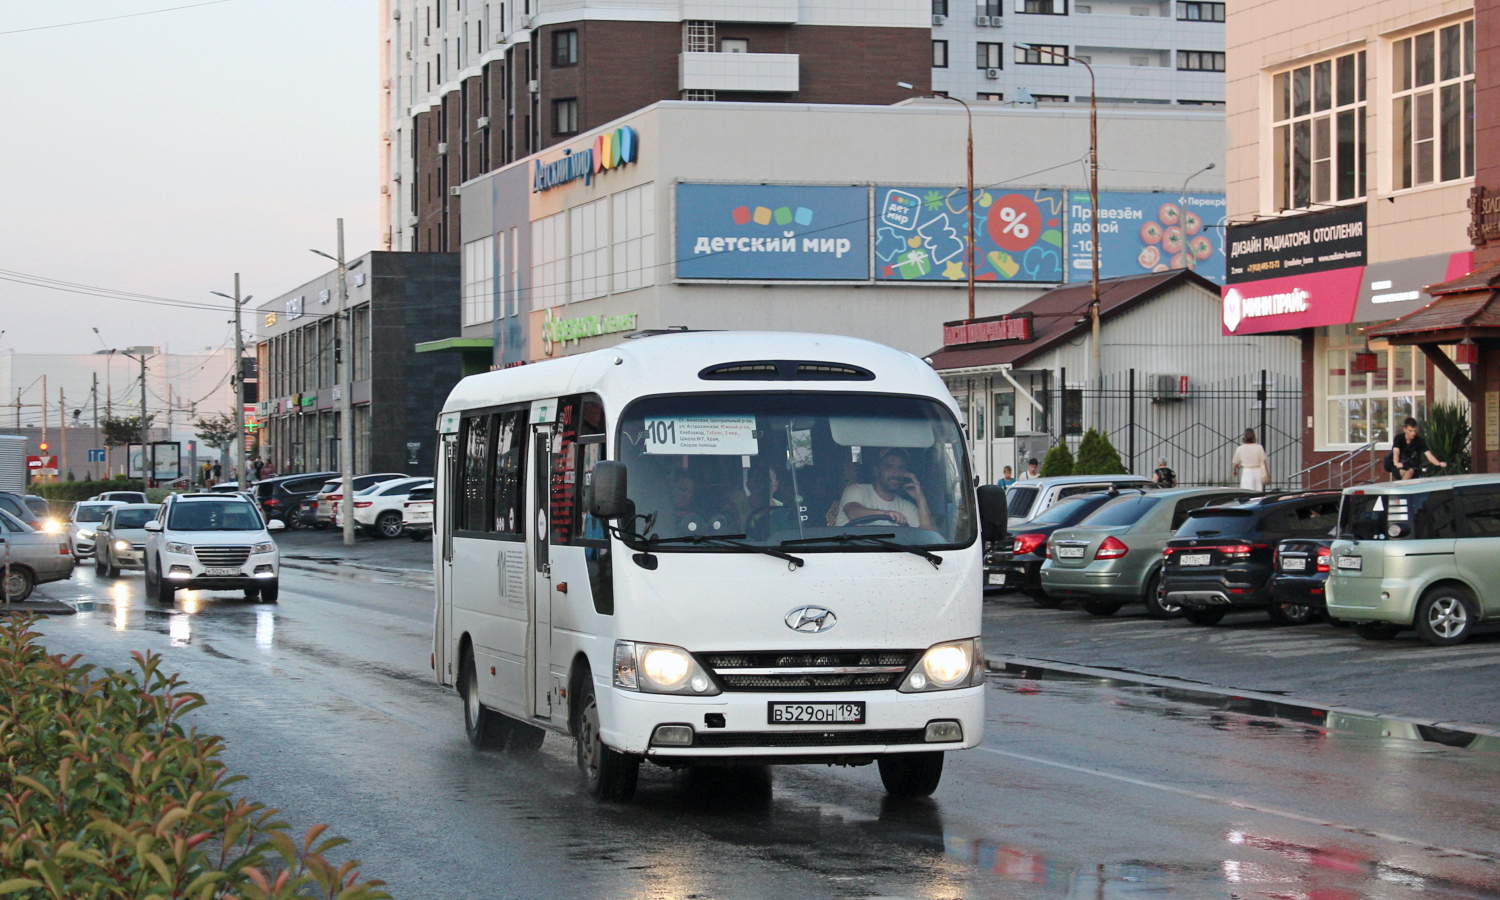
1223	557
1022	572
281	497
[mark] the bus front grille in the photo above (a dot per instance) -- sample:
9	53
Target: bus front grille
863	738
834	670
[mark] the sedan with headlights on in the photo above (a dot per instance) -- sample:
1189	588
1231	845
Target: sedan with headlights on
121	539
83	525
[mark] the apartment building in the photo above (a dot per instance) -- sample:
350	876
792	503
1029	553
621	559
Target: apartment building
473	85
1168	52
1351	159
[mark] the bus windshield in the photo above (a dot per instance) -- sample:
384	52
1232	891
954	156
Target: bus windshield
783	467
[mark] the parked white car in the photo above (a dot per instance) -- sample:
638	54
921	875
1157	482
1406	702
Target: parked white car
84	523
215	542
379	508
120	542
416	514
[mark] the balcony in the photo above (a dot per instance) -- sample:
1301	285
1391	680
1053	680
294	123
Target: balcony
758	72
780	11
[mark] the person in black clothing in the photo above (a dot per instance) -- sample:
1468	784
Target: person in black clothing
1408	450
1164	475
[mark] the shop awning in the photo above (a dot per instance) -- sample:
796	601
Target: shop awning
455	344
1463	308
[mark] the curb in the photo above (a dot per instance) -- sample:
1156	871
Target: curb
1254	702
334	561
46	608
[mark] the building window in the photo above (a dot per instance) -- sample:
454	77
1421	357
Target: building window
1043	7
699	95
991	8
940	7
940	54
1318	113
635	238
588	250
734	45
565	116
1005	414
549	260
1042	54
987	56
1188	11
565	48
1434	106
1370	405
479	281
1072	410
991	98
1199	61
1054	98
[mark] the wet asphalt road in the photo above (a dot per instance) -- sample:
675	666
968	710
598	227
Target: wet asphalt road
1082	789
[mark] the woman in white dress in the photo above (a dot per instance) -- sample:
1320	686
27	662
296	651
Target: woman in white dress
1250	464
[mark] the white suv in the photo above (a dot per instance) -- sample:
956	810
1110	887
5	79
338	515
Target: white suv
215	542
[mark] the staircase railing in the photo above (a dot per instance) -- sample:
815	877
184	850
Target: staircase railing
1358	466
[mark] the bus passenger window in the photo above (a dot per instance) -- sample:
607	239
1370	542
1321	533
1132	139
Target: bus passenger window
510	444
473	488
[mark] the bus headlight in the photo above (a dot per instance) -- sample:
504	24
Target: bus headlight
660	669
946	666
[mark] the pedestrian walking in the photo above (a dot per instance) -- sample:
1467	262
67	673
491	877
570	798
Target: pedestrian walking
1030	472
1164	476
1250	464
1006	479
1408	451
218	471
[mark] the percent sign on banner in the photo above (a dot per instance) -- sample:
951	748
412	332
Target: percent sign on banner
1010	220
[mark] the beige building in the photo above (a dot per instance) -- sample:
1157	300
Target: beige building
1351	154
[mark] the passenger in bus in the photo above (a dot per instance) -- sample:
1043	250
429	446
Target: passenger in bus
753	507
893	495
685	516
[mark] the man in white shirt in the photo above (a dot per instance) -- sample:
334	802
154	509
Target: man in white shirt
1030	472
895	496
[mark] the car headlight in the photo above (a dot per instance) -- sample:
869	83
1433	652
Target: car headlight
267	547
122	545
946	666
52	526
85	534
175	547
660	669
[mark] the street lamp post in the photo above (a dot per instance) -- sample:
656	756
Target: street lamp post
1182	206
238	374
969	162
343	345
1093	208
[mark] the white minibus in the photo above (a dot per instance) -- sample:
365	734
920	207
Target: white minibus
714	548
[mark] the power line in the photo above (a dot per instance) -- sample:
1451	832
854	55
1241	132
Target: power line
149	12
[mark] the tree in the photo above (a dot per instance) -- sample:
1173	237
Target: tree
217	432
120	430
1058	461
1097	456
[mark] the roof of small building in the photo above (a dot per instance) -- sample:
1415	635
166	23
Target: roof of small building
1061	314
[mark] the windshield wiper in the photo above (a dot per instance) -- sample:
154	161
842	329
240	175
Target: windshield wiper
877	539
722	540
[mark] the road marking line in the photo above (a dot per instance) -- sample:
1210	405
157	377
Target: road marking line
1251	807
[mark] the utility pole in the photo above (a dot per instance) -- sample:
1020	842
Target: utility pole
343	347
239	388
44	409
95	392
62	431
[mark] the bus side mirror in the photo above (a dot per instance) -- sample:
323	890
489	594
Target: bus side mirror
607	499
994	518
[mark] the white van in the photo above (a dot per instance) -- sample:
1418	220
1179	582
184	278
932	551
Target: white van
713	548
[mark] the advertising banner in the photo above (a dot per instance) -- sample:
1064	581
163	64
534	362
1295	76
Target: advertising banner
1147	231
1316	242
921	234
1307	300
773	232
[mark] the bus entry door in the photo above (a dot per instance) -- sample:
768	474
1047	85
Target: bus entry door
541	582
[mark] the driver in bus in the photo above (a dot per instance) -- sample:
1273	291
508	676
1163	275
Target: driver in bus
894	496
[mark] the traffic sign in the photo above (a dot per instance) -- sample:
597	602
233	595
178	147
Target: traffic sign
96	455
41	465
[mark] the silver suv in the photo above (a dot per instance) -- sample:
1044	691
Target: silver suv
215	542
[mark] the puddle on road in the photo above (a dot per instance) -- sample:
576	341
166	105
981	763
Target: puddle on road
1249	714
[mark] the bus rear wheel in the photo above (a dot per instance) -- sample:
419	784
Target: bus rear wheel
608	774
911	774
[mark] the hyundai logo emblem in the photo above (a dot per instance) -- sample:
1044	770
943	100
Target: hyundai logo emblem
811	619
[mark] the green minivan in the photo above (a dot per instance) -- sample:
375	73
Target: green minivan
1421	554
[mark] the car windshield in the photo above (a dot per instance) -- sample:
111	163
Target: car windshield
133	518
89	513
213	515
779	467
38	506
1069	510
1204	523
1123	511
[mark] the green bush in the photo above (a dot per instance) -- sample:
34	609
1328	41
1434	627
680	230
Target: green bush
1058	461
1097	456
82	490
1447	433
105	794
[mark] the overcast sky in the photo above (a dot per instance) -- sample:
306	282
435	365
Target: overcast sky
163	153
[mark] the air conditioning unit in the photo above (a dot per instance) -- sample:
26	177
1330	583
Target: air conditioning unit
385	189
1167	387
396	14
411	221
533	86
939	20
396	177
525	21
982	20
992	74
442	149
482	122
454	190
426	42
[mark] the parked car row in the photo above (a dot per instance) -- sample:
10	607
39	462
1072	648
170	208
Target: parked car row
1422	554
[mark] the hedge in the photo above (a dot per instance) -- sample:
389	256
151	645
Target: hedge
73	491
1058	461
104	793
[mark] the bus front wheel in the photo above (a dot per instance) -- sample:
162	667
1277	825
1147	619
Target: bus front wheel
609	774
911	774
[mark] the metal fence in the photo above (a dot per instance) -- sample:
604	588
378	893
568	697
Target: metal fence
1198	431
